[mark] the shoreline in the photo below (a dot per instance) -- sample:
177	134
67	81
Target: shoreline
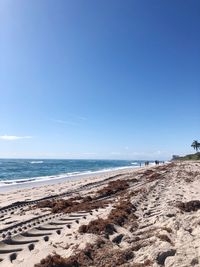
20	171
36	190
150	213
32	182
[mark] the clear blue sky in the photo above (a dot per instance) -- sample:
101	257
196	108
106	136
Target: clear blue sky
99	79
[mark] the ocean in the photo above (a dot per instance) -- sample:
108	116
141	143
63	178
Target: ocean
16	171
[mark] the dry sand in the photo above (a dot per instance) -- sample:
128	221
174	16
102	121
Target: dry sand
164	235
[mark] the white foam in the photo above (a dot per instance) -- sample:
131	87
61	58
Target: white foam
60	176
36	162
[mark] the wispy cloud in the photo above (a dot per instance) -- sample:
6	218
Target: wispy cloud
71	120
13	137
65	122
77	117
82	118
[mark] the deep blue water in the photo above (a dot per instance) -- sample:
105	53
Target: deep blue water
14	171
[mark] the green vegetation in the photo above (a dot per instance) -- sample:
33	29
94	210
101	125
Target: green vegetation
195	156
195	145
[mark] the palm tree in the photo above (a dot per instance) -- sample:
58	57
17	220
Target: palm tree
195	145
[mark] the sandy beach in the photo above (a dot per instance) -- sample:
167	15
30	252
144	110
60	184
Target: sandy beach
133	217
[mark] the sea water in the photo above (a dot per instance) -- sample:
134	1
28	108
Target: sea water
16	171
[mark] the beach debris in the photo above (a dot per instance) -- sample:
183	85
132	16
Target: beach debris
86	203
123	212
113	187
55	260
192	205
163	255
71	205
118	239
194	262
100	254
146	263
99	226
